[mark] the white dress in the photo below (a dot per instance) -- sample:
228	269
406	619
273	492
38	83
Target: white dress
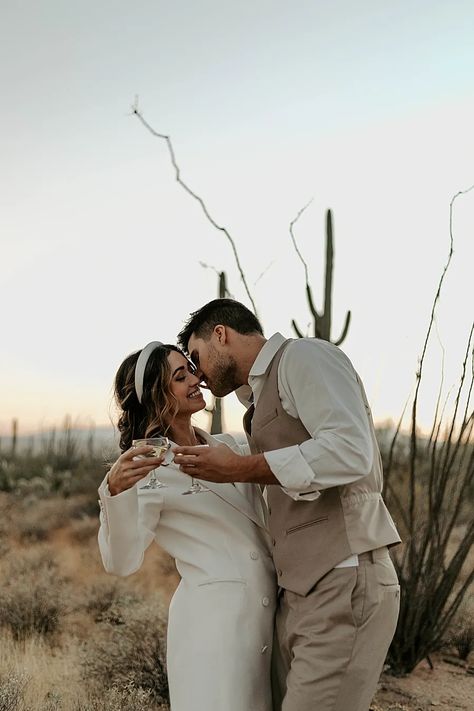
220	625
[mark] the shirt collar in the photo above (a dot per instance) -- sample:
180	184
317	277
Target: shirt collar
266	355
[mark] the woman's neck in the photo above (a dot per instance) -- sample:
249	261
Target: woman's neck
182	433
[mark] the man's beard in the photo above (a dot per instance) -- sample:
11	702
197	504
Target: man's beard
224	379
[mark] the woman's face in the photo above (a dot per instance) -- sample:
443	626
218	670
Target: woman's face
184	385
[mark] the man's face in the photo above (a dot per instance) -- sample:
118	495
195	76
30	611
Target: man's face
215	365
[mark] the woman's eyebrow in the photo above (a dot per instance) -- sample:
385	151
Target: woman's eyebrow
181	367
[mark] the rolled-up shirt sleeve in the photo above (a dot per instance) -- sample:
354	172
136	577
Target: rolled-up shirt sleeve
318	384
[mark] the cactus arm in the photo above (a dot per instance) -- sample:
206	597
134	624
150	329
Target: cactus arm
296	329
345	329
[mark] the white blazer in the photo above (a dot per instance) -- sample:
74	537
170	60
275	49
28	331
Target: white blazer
220	624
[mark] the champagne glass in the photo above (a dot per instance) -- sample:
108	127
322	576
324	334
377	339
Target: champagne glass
196	486
160	446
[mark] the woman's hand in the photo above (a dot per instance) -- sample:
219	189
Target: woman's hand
126	471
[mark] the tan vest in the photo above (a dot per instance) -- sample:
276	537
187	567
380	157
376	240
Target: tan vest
311	537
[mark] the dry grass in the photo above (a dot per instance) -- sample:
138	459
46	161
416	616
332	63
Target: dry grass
47	671
461	632
63	619
128	648
31	599
67	625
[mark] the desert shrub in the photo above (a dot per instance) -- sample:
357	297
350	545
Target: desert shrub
52	702
427	491
12	692
82	506
127	698
109	600
167	565
4	543
5	523
52	471
30	599
37	518
4	539
132	653
461	633
82	530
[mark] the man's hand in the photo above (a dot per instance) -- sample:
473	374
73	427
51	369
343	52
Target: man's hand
221	465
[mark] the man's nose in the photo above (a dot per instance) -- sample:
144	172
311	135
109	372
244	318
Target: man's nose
200	378
197	375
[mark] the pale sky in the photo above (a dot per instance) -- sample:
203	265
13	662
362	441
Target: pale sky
366	107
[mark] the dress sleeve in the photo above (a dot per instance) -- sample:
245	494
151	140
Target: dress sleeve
127	527
239	447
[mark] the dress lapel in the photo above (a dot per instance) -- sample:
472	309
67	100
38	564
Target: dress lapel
235	498
231	492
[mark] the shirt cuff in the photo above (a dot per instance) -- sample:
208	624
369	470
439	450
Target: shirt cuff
293	472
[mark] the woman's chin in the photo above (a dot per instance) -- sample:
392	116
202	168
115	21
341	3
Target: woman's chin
199	404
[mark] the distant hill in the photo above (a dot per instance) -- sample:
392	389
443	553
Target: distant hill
96	440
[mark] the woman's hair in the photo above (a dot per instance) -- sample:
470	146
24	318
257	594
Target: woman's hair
154	414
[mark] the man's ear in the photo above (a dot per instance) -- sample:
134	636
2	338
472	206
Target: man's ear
220	334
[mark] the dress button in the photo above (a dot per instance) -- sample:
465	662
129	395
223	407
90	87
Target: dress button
254	555
265	601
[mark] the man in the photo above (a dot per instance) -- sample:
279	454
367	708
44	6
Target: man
313	446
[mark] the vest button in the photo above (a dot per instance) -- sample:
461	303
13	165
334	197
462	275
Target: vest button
254	555
273	542
279	573
265	601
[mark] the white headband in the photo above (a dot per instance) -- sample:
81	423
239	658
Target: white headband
141	365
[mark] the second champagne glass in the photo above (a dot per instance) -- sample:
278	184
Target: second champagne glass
196	486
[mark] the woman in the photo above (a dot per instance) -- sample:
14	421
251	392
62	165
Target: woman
220	624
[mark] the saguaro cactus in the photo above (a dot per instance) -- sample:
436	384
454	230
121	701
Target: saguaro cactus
322	322
216	411
14	437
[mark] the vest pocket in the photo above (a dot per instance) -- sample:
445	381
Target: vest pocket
265	419
306	524
214	581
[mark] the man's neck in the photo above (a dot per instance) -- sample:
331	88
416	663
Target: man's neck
249	348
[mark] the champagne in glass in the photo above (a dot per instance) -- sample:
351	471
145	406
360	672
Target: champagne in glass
160	446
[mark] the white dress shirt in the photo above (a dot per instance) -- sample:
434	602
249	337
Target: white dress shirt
317	384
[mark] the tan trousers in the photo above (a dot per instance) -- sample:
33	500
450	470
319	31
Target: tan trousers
330	646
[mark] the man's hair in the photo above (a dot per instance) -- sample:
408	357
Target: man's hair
220	311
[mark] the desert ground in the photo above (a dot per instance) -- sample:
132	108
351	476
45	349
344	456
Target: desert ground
75	638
